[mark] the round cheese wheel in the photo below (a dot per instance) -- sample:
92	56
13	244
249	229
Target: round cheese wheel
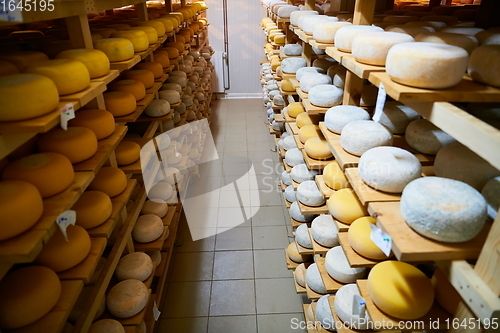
76	143
429	24
120	103
277	100
28	294
344	299
396	117
314	280
324	231
338	267
154	67
406	293
324	314
289	143
290	194
292	50
172	86
157	208
372	48
101	122
310	80
138	38
301	173
359	239
294	255
286	85
361	135
399	19
162	58
294	157
324	63
439	18
305	118
109	180
285	178
427	138
116	49
426	65
346	34
324	32
51	173
157	108
302	236
150	33
143	75
334	177
291	65
307	70
307	132
172	175
127	152
483	65
409	30
157	25
309	194
295	16
300	275
443	209
297	215
171	96
136	265
444	292
15	196
470	31
22	59
318	148
155	257
92	209
458	162
148	228
69	76
468	43
127	298
60	254
338	116
491	192
325	95
344	206
134	87
286	11
106	326
96	61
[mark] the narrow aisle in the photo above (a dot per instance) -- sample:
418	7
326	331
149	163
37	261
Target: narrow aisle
237	281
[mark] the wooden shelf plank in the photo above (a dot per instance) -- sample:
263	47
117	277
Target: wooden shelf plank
314	164
410	246
303	36
293	80
331	285
300	145
288	119
309	210
156	86
318	248
283	92
156	245
303	250
143	118
298	288
310	322
311	294
113	74
365	193
335	53
361	70
146	100
327	192
282	152
127	64
319	45
302	94
162	78
279	118
293	128
84	270
168	219
290	265
341	226
83	97
355	260
10	142
313	109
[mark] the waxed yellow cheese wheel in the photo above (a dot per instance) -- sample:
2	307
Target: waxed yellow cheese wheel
157	25
178	45
149	31
143	75
104	32
286	85
334	177
318	148
22	59
162	57
7	68
96	61
294	109
358	237
307	132
101	122
345	206
60	255
92	209
116	49
51	173
28	294
172	52
168	24
120	103
134	87
109	180
153	66
76	143
15	197
43	96
127	152
138	38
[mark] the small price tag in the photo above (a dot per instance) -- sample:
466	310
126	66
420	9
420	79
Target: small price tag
379	107
64	220
381	239
67	113
156	312
358	306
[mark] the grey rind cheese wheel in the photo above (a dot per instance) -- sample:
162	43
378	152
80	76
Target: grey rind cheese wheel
344	299
443	209
172	86
310	80
294	157
324	314
182	81
292	49
359	136
300	275
289	143
338	116
180	109
388	169
309	194
297	215
157	108
491	192
285	178
160	192
324	231
338	267
301	173
314	280
468	43
425	137
171	96
307	70
290	65
290	194
127	298
325	95
157	208
106	326
286	11
136	265
147	228
396	117
302	236
324	32
294	16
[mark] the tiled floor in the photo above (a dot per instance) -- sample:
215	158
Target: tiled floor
237	281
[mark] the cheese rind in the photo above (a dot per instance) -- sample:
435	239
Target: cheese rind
324	314
116	49
346	34
101	122
314	280
324	231
427	138
309	194
345	206
372	48
361	135
445	293
109	180
397	116
325	95
76	143
127	298
324	32
294	255
297	215
359	238
136	265
469	43
302	236
301	173
338	267
148	228
318	148
138	38
334	177
134	87
120	103
96	61
344	299
106	326
300	275
484	65
339	116
92	209
157	208
491	192
294	157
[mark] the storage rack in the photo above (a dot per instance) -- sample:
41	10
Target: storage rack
113	238
478	284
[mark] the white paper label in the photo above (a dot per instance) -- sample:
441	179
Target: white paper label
381	239
379	107
9	12
67	113
156	312
64	220
358	306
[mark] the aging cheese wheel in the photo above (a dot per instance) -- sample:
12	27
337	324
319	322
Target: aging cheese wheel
297	215
324	314
399	19
22	59
307	132
294	157
324	64
155	24
396	117
138	38
314	280
468	43
101	122
294	254
51	173
156	208
295	16
127	298
443	209
287	86
325	95
148	228
400	290
116	49
109	180
301	173
136	265
345	35
307	70
318	148
8	68
372	48
310	80
120	103
292	64
60	254
294	109
171	96
143	75
300	275
488	37
28	294
344	299
134	87
302	236
149	31
127	152
427	138
289	143
69	76
338	267
172	86
338	116
106	326
103	32
491	192
309	194
96	61
290	194
361	135
92	209
446	295
324	32
359	239
157	108
76	143
154	67
324	231
344	206
162	58
15	197
285	178
334	177
484	65
292	50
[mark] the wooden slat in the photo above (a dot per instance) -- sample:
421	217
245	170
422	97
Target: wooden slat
294	128
113	74
311	294
127	64
298	288
10	142
309	210
365	193
313	109
310	323
335	53
85	96
302	94
361	70
319	45
341	226
323	188
84	270
314	164
300	145
331	285
355	260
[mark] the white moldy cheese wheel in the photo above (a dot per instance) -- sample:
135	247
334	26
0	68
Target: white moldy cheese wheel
300	275
292	64
425	137
388	169
294	157
136	265
308	23
334	177
344	299
372	48
338	267
426	65
290	194
324	32
286	11
127	298
301	173
484	65
324	314
345	35
338	116
307	70
491	192
302	236
289	143
106	326
360	135
324	231
285	178
292	49
314	280
443	209
294	16
468	43
310	80
309	194
397	116
148	228
294	255
458	162
317	148
325	95
471	31
297	215
408	29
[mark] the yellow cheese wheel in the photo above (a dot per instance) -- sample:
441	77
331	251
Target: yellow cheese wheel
181	39
101	122
96	61
138	38
179	46
120	103
127	298
162	57
400	290
168	24
307	132
116	49
22	59
51	173
157	25
134	87
149	31
294	255
305	118
21	206
28	294
92	209
446	295
76	143
344	206
60	255
109	180
106	326
275	63
143	75
104	32
294	109
7	68
318	148
43	96
279	39
172	52
127	152
358	236
153	66
286	85
334	177
70	76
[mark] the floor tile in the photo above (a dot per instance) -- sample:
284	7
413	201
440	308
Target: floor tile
269	237
232	324
187	299
230	265
277	296
281	323
232	217
271	198
184	325
234	239
232	297
268	216
192	266
270	264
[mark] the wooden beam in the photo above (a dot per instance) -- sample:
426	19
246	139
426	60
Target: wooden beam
79	31
142	11
353	89
363	12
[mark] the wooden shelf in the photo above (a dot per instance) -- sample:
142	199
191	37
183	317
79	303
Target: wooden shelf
143	118
361	70
113	74
168	219
295	184
336	54
84	270
323	188
410	246
293	127
318	248
341	226
314	164
312	295
288	119
309	210
355	260
365	193
285	93
293	80
310	322
154	89
302	35
331	285
313	109
300	145
302	94
298	288
279	118
319	45
303	250
127	64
